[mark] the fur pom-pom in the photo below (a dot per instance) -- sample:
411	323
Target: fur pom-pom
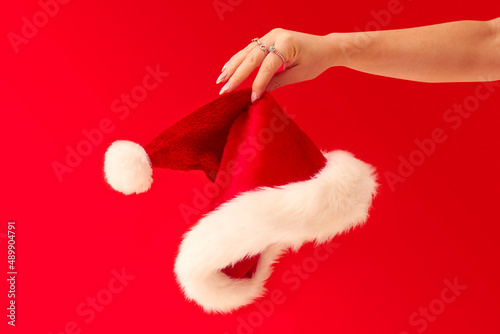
127	167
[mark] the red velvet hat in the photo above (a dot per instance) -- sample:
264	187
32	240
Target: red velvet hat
277	191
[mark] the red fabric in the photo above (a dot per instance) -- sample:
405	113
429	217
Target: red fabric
197	141
241	146
264	148
268	148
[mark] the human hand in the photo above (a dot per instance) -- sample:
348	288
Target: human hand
306	56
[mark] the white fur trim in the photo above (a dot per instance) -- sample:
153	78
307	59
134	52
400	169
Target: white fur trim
127	167
268	221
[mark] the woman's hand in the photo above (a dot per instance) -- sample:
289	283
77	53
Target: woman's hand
457	51
306	56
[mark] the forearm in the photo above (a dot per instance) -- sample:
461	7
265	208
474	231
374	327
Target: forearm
449	52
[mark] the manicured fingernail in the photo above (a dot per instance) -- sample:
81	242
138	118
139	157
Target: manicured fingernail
225	65
225	88
253	97
221	77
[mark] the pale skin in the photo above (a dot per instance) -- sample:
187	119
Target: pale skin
461	51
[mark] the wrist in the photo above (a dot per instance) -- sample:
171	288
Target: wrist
338	49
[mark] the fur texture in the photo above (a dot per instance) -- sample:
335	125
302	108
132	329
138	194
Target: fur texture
127	167
269	221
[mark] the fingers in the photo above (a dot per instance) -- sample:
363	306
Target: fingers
241	67
270	65
234	62
249	58
242	64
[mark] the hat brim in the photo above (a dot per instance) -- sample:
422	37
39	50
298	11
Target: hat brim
268	221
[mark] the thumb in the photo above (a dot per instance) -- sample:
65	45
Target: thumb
283	78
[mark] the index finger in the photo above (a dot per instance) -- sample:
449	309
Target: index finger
234	62
238	57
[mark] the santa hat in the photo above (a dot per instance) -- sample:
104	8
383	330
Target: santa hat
276	191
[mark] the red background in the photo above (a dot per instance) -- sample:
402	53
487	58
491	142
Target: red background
440	224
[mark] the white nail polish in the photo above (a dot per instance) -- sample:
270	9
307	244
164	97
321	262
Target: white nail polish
253	97
225	88
221	77
225	65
